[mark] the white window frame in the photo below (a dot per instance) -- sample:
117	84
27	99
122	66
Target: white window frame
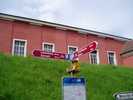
53	50
25	47
115	60
70	46
98	58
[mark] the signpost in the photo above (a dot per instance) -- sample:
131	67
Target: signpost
89	48
124	96
73	88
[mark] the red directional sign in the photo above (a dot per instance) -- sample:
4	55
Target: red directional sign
89	48
40	53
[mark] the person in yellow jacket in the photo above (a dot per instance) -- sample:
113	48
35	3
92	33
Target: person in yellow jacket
74	68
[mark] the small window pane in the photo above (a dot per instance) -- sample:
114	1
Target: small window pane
72	50
93	57
111	58
22	43
16	42
48	48
19	47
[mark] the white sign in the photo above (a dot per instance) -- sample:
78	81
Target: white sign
74	89
124	96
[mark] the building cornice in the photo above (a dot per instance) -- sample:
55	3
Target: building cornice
61	26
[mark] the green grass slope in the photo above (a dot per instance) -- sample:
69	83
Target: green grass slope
40	79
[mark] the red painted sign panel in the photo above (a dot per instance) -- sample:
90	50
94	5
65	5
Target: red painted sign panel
40	53
89	48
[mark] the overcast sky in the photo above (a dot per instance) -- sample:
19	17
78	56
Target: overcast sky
108	16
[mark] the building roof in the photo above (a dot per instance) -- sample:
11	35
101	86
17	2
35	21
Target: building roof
128	48
60	26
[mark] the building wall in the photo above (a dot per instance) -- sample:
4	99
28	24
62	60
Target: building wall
36	35
5	36
128	61
29	32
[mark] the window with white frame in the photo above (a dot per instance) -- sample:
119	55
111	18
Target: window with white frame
19	47
72	49
48	47
94	57
111	58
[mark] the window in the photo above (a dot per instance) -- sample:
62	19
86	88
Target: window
48	47
94	57
111	58
72	49
19	47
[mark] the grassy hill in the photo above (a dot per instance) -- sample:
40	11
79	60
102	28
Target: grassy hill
40	79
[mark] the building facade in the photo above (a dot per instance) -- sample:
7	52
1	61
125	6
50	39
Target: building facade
127	54
20	36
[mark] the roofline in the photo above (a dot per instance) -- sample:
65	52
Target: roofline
61	26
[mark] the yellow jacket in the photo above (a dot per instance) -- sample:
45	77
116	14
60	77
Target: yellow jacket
75	66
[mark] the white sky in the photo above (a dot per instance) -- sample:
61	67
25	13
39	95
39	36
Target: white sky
108	16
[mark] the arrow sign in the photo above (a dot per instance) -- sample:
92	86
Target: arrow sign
40	53
89	48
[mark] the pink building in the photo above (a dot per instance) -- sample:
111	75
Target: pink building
20	36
